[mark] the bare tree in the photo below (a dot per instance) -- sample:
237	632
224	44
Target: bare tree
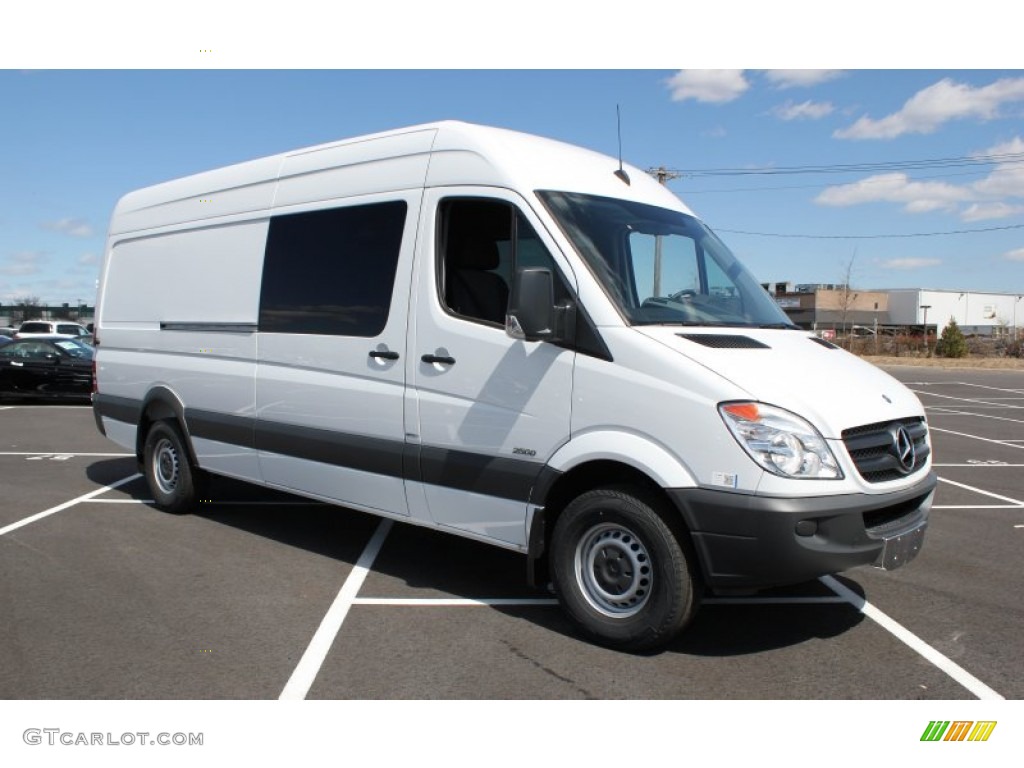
847	295
28	307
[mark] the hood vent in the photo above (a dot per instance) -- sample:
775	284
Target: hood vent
723	341
826	344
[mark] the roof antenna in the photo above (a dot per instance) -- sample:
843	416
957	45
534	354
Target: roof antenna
623	176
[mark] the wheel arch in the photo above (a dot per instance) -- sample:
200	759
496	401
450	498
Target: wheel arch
588	463
162	404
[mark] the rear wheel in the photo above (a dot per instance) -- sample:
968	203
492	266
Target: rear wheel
166	465
621	570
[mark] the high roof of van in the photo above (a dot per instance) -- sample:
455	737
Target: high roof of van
446	153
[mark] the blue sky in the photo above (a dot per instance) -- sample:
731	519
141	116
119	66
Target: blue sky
73	141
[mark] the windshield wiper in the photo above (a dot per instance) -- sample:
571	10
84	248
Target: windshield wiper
783	326
688	323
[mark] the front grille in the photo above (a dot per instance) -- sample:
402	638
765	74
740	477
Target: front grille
880	522
875	451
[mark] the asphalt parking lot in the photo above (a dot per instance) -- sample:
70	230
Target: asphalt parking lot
260	595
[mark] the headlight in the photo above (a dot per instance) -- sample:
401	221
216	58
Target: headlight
780	441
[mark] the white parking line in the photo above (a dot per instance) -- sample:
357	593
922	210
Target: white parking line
529	601
61	507
51	407
965	384
947	665
448	602
974	437
312	660
997	389
773	601
1014	502
305	673
976	506
940	408
51	453
992	464
300	503
946	412
967	400
118	501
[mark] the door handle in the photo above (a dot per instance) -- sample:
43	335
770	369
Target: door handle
384	354
442	359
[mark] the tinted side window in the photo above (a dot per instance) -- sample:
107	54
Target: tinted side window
331	272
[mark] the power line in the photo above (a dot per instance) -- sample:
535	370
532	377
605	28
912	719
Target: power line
826	186
871	237
896	165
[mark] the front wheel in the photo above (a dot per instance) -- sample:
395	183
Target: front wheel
167	469
621	572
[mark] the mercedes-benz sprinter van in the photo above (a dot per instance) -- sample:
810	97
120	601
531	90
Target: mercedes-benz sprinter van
510	339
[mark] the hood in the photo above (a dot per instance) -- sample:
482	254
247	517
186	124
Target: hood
826	385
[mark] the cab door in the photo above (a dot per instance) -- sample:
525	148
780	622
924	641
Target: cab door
485	411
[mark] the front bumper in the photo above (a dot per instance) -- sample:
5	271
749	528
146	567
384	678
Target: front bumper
748	542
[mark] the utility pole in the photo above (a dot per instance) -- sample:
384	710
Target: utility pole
926	307
663	175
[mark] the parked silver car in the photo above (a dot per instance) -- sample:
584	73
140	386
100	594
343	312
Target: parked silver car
66	328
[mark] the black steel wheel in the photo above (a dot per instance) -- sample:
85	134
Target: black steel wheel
622	569
167	468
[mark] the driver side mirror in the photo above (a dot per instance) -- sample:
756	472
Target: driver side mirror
533	314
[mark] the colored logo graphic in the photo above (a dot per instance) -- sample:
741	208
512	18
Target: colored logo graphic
958	730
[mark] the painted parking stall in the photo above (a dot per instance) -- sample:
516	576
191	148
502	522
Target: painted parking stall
262	595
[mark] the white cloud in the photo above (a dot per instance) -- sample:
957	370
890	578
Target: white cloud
800	78
985	211
928	109
72	227
1014	146
910	263
1015	255
715	86
23	263
1005	181
88	259
808	110
989	198
52	290
914	196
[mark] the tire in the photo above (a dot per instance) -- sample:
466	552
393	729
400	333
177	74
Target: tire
166	465
621	572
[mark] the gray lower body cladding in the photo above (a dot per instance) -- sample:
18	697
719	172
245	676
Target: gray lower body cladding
747	542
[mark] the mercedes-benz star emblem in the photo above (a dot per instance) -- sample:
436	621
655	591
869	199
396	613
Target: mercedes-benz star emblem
903	448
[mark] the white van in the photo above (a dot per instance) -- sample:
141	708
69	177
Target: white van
514	340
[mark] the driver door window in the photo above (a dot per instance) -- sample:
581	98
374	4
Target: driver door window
483	242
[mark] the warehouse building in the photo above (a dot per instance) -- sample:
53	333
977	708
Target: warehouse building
841	309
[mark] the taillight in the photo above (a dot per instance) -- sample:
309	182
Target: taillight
95	343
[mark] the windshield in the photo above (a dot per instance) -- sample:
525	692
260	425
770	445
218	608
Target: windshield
661	266
75	348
